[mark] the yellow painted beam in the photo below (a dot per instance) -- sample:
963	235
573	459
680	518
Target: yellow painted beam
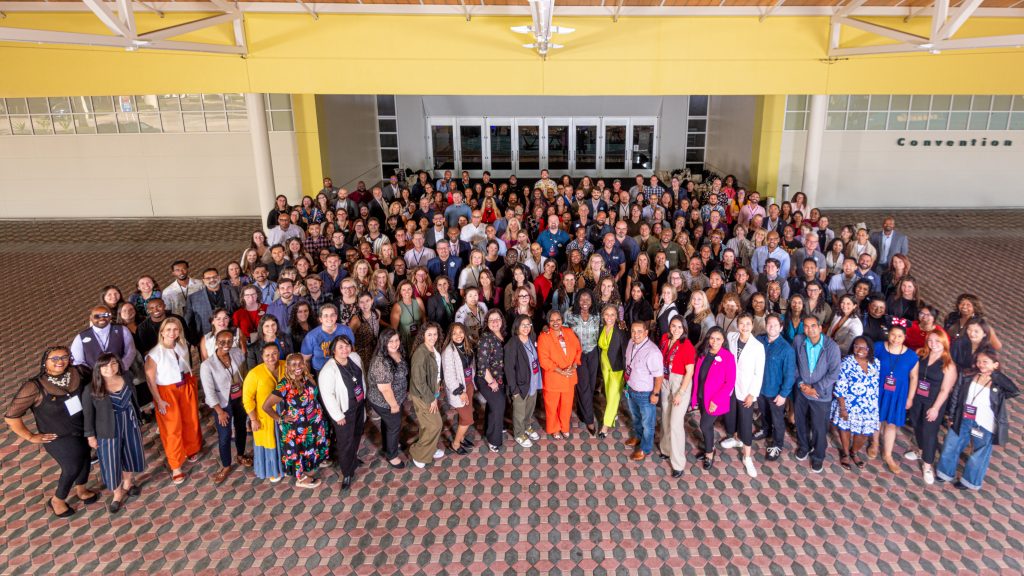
767	149
307	139
344	54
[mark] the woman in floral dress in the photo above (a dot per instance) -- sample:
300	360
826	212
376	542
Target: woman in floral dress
855	408
302	431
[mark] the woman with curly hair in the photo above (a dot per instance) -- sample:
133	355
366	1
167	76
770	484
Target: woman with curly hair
300	420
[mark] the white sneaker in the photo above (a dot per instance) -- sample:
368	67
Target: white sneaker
533	434
438	454
911	455
748	463
730	443
524	441
929	476
418	464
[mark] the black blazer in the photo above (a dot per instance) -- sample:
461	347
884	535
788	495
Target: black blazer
617	349
1002	390
99	412
436	311
517	368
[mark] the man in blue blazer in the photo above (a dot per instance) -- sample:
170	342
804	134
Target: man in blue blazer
888	242
817	365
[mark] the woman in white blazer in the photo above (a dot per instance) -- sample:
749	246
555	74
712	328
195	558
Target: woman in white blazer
343	390
457	371
846	324
750	358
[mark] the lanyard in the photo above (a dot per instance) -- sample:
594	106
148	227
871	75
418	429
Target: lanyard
981	388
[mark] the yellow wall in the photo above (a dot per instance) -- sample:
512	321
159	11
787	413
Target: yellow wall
768	124
307	140
448	55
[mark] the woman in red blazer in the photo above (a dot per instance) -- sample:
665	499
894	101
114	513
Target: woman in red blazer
714	377
560	352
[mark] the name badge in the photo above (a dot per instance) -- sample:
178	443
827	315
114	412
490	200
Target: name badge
924	388
977	432
970	412
890	383
74	405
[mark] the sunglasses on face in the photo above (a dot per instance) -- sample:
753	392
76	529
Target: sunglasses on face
103	315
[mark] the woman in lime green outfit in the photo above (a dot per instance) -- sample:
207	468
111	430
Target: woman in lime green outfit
612	343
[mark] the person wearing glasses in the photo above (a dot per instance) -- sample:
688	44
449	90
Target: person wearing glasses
222	375
102	337
53	396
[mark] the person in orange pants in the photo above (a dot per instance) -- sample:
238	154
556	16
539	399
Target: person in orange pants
175	397
560	354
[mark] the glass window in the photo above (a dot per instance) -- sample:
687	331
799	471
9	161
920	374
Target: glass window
102	104
698	105
127	123
17	106
38	106
3	108
558	147
979	120
879	102
282	120
85	124
835	121
216	122
389	140
838	102
695	140
920	102
961	102
941	102
1017	121
234	101
194	121
529	146
982	103
918	121
279	102
900	103
21	125
169	102
62	106
701	125
795	120
146	103
442	140
81	104
1002	103
501	146
106	124
213	102
938	121
876	120
5	124
586	147
149	123
796	103
643	147
389	155
172	122
958	120
897	120
125	104
856	120
998	120
858	102
1018	103
387	125
63	124
238	122
388	169
41	124
695	155
385	105
192	102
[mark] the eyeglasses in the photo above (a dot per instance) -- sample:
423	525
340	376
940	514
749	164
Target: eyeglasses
224	343
65	358
102	315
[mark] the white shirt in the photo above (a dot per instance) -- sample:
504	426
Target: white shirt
334	388
169	363
102	336
981	398
472	233
175	296
279	236
749	366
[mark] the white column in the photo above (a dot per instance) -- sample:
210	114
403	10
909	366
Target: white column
812	154
265	189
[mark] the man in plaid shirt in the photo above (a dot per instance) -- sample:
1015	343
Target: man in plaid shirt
655	190
315	241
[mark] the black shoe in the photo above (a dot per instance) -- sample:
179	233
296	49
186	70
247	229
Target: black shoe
709	461
346	482
467	444
134	490
115	506
592	429
817	467
359	462
461	450
663	456
960	485
63	514
94	458
91	499
399	466
801	456
677	473
760	434
602	434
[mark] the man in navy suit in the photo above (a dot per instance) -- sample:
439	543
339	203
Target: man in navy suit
888	242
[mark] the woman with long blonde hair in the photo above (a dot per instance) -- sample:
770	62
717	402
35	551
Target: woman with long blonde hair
698	317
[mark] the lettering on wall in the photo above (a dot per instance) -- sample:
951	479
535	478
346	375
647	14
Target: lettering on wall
949	143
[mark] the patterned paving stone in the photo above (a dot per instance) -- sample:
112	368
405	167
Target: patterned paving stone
577	507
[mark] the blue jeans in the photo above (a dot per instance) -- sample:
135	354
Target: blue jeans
977	462
644	415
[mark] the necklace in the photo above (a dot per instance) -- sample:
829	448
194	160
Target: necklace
62	381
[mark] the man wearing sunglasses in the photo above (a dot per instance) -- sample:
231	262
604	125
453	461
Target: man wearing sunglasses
99	338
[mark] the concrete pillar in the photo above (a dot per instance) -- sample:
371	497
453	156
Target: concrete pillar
812	154
265	189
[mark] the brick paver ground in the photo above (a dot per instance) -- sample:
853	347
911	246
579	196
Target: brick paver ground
577	507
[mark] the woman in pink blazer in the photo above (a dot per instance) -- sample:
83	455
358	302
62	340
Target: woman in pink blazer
714	378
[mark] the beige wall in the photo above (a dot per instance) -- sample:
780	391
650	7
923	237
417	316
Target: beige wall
729	149
349	140
138	175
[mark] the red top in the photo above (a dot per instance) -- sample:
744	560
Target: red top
916	337
679	356
247	321
543	286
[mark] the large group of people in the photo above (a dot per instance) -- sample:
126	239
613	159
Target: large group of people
460	305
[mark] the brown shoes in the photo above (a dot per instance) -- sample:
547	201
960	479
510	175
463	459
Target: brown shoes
633	442
638	456
222	475
891	464
244	460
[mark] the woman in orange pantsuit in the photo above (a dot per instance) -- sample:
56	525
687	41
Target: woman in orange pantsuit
560	352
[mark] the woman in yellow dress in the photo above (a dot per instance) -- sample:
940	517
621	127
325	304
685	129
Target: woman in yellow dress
259	384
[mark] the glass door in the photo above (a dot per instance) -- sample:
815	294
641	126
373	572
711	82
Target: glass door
498	158
585	146
441	145
614	147
528	147
643	146
558	148
471	146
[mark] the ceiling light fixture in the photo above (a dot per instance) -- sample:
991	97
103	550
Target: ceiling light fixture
541	11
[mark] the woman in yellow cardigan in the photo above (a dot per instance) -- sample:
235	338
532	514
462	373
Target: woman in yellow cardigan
259	384
559	353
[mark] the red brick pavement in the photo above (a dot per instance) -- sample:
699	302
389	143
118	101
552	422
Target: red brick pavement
578	507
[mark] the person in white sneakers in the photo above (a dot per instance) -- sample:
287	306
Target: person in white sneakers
523	379
425	393
749	354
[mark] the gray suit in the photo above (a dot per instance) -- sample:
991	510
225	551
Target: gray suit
199	310
898	245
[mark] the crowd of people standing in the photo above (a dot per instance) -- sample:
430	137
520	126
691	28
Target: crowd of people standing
461	305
